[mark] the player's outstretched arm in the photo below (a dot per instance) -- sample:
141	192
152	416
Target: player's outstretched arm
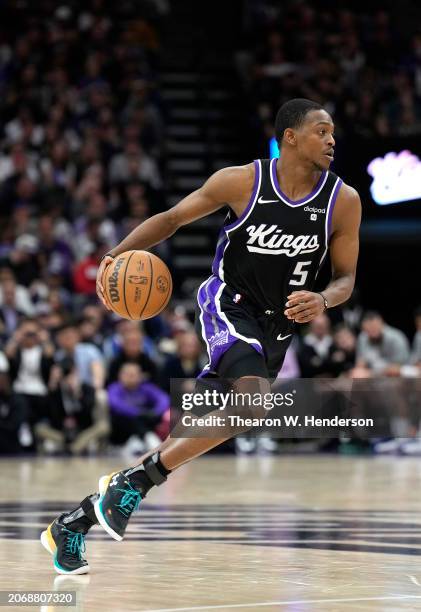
230	185
303	306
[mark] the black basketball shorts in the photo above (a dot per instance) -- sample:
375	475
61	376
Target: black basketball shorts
225	318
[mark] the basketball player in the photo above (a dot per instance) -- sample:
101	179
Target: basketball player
284	214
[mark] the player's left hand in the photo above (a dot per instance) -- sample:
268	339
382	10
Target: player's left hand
304	306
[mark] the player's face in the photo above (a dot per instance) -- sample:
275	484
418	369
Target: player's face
315	139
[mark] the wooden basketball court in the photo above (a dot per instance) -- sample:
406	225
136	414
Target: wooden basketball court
300	533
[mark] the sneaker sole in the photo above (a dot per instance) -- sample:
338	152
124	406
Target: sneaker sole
102	486
47	541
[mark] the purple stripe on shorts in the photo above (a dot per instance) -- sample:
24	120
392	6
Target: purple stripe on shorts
332	206
278	187
218	335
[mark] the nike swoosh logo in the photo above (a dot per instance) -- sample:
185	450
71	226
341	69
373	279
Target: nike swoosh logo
279	337
262	201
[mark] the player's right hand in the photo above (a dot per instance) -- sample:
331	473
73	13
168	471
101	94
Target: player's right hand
99	276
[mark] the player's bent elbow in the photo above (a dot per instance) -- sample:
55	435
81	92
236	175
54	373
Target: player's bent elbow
170	220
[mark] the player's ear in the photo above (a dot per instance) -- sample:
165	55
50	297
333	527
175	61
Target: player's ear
289	137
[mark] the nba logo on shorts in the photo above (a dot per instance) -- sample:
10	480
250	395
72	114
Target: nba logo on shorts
313	217
236	298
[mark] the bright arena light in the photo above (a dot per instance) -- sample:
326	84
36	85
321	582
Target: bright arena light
396	178
273	148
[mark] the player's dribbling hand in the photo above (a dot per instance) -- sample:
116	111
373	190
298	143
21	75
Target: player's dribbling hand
99	276
304	306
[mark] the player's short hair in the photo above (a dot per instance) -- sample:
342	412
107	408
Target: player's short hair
292	114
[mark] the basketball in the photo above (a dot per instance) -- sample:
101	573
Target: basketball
137	285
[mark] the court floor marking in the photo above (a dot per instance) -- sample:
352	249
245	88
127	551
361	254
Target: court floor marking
287	602
413	579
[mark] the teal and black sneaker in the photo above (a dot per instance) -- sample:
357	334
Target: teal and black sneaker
67	548
117	501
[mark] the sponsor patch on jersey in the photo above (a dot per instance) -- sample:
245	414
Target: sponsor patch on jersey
270	240
312	209
313	217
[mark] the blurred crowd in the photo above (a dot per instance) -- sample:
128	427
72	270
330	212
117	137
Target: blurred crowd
362	63
80	140
359	352
80	385
80	166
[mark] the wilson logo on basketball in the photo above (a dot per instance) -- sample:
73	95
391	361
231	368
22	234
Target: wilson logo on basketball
270	240
113	281
138	280
162	284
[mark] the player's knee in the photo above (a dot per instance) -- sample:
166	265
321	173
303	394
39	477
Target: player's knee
251	391
251	384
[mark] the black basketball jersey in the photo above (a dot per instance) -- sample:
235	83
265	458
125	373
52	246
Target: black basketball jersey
277	245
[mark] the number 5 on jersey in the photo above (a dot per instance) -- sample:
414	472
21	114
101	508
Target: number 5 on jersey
300	273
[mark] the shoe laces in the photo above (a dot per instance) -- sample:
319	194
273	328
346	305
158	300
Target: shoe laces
130	500
75	544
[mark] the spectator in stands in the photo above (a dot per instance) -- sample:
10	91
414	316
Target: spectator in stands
76	422
4	375
53	254
10	315
134	164
384	351
50	320
342	352
381	349
9	423
93	326
18	297
313	354
138	208
90	369
57	169
93	227
353	62
30	355
416	346
84	273
137	408
132	350
349	314
23	258
87	357
187	362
